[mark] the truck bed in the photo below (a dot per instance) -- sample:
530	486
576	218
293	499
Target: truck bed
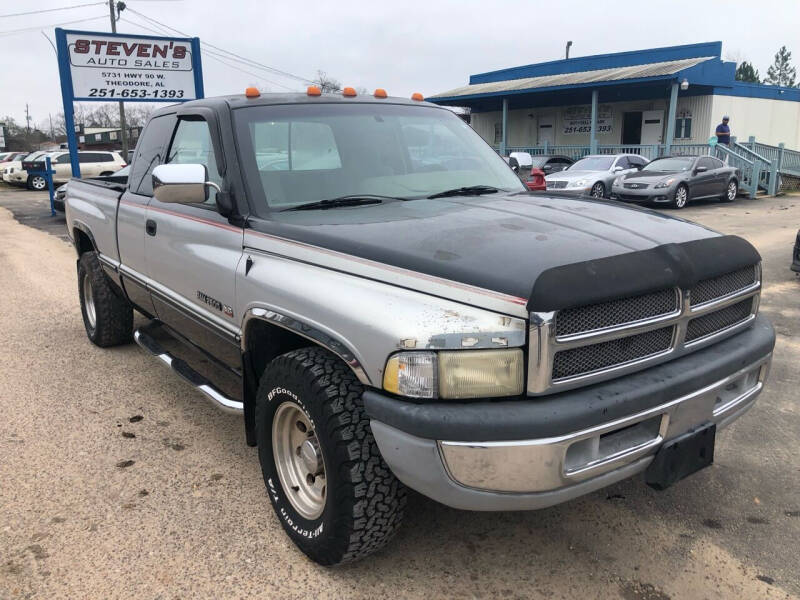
91	206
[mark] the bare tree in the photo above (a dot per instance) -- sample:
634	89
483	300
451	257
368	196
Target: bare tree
327	83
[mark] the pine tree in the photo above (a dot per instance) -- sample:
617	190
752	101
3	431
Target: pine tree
782	72
747	72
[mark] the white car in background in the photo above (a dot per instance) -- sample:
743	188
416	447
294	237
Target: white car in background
12	170
593	175
95	163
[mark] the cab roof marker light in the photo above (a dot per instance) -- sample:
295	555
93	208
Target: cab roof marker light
417	96
313	91
252	92
349	92
380	93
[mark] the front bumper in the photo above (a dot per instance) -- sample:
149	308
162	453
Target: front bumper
530	454
583	191
650	194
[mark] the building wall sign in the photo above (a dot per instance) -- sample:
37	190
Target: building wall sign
578	120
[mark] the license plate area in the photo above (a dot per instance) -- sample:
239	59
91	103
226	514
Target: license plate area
682	456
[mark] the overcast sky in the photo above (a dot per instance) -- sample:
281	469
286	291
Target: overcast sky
403	46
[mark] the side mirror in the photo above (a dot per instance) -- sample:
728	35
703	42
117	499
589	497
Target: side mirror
182	184
618	168
701	169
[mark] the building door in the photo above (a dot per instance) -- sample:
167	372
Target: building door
652	127
547	131
632	128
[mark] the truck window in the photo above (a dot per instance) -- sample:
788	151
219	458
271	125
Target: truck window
149	152
192	145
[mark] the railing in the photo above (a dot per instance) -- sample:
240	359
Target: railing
750	169
574	152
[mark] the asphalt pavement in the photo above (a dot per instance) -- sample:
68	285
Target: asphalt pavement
117	480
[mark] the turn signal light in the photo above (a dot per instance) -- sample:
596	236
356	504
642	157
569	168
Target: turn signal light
380	93
252	92
417	96
348	91
313	91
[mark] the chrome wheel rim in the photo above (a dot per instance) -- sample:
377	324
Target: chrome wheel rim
597	190
732	191
88	302
38	183
680	197
298	460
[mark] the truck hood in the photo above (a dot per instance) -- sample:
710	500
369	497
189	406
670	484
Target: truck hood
495	242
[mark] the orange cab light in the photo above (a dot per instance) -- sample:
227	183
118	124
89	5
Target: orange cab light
348	91
417	96
380	93
252	92
313	91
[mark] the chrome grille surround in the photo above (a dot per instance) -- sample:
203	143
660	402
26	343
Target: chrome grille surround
546	373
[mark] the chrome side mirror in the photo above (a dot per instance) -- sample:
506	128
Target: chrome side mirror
182	183
617	169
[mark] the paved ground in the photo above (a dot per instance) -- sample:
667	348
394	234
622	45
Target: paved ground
189	515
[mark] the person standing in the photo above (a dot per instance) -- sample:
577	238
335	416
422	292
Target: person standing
723	132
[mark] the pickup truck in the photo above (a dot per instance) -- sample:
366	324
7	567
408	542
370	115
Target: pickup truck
372	288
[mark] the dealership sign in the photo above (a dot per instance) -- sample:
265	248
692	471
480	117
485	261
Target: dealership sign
101	67
578	119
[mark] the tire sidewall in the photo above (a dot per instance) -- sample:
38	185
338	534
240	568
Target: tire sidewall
727	188
83	273
311	535
602	188
675	198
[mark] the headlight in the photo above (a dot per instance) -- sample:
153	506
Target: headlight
456	374
665	183
579	183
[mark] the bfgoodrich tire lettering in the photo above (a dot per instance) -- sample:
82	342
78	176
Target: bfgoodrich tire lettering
364	501
107	316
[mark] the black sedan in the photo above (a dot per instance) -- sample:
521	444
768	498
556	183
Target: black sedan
675	180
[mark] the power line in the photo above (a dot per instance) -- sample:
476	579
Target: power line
12	31
251	62
49	10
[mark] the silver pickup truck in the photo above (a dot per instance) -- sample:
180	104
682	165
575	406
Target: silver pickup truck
374	290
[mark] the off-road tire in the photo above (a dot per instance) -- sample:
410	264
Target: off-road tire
364	503
113	313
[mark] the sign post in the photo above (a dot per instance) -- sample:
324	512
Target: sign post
107	67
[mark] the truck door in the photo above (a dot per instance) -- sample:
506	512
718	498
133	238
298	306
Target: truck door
131	213
192	252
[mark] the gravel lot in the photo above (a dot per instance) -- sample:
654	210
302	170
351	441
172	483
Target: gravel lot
117	480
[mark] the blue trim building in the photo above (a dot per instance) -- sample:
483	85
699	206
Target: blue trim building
654	97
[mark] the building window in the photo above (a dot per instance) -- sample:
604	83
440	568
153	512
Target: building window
498	133
97	137
113	135
683	125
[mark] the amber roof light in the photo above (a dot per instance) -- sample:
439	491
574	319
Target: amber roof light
348	91
417	96
313	91
252	92
380	93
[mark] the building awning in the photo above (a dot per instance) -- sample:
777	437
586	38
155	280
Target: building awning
581	78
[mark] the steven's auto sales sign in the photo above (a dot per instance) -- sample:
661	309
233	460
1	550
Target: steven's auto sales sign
130	67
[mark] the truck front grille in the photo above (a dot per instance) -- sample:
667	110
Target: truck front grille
605	355
576	346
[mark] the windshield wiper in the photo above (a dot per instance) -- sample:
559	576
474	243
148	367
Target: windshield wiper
471	190
352	200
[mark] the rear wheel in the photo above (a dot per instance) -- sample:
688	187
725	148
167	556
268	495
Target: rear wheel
598	190
37	182
107	317
681	196
106	174
730	191
331	490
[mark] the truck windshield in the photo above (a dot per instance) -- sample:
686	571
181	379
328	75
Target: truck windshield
302	153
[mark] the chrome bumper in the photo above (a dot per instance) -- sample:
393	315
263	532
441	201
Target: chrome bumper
535	473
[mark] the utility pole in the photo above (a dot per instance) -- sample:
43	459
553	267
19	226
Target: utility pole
52	134
123	134
569	43
27	119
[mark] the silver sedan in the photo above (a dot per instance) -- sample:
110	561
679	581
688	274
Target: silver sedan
593	175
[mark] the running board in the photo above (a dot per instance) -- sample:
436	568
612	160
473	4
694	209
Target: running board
182	368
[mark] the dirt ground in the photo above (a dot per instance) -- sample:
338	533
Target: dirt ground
117	480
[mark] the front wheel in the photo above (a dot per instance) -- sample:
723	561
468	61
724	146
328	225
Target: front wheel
331	490
681	196
598	190
730	192
37	182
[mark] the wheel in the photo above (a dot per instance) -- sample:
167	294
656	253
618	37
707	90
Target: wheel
598	190
37	182
730	191
106	174
681	196
331	490
107	317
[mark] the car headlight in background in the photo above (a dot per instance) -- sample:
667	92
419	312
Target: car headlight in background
665	183
456	374
579	183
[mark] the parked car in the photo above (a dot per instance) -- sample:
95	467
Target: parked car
11	156
676	180
389	323
593	175
61	192
13	171
97	163
796	254
533	169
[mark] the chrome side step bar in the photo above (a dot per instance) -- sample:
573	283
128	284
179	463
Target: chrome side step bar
182	368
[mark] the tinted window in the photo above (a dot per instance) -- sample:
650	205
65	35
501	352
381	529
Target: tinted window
718	164
192	145
94	157
706	162
593	163
623	162
63	159
637	161
678	163
149	153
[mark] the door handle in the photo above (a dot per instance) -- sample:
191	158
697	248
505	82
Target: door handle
150	227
